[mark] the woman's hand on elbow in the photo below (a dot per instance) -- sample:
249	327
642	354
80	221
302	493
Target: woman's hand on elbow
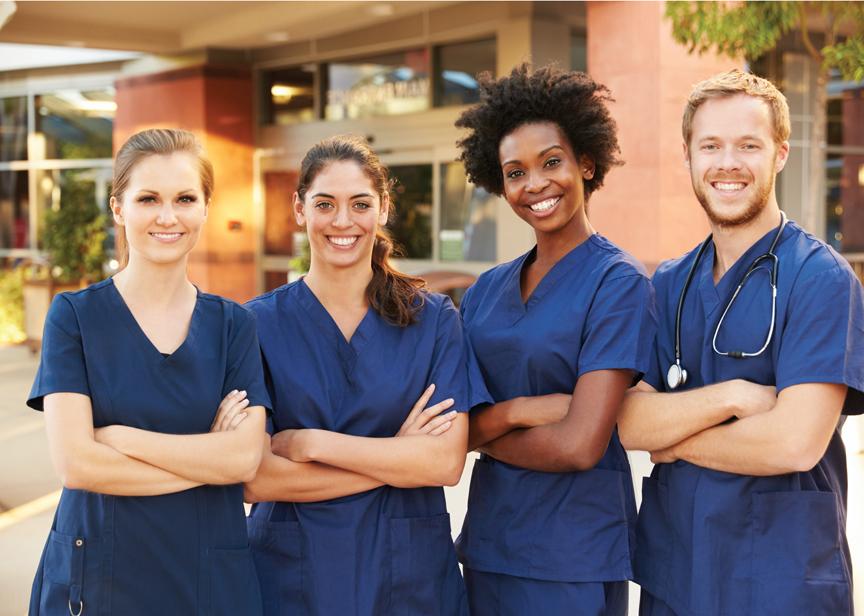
231	412
423	420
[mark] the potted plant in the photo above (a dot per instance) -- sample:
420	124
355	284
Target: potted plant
73	238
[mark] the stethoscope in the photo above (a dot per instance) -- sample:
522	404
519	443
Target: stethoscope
676	376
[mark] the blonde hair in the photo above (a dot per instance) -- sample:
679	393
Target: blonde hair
735	82
147	143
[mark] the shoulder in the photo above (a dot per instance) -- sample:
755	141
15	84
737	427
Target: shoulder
81	301
614	261
813	258
436	304
268	303
673	271
235	317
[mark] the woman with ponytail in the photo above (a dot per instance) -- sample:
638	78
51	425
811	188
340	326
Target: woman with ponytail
369	378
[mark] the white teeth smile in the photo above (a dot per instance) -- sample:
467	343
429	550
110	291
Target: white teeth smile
166	236
342	241
730	186
548	204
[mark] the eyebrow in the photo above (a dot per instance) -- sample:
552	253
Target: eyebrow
541	154
156	192
357	196
741	138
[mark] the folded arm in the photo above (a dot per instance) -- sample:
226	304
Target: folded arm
281	479
218	458
494	421
791	437
578	441
650	421
403	461
85	464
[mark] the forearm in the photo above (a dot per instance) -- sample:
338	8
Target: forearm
280	479
649	421
496	420
546	448
401	461
99	468
217	458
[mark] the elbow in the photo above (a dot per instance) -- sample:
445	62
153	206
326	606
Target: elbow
801	457
74	475
582	458
247	466
249	494
626	436
452	475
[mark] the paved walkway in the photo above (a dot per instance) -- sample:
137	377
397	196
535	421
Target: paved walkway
29	487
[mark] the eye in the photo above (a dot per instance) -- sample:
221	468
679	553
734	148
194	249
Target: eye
146	199
709	147
552	162
323	205
361	205
188	199
514	174
750	147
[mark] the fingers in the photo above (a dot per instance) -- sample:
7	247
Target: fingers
421	403
235	421
441	429
230	406
434	411
433	426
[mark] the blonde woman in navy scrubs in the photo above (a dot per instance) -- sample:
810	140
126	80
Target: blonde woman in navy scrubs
560	334
357	522
154	401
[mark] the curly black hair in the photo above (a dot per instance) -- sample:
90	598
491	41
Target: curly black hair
570	99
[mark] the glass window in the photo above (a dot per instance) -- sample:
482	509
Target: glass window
289	95
14	210
279	222
411	224
456	70
578	52
468	228
389	84
74	124
13	128
57	188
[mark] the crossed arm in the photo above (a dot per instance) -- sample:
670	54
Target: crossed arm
554	433
772	435
313	465
125	461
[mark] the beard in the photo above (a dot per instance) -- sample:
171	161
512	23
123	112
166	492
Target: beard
752	208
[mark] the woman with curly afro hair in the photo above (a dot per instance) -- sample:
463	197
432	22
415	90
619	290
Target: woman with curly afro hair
560	334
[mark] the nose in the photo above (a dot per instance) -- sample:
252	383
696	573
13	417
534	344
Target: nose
729	159
166	217
535	182
342	220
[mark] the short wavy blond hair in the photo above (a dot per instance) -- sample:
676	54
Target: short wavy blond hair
735	82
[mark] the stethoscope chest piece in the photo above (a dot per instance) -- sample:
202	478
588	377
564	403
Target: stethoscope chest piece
676	376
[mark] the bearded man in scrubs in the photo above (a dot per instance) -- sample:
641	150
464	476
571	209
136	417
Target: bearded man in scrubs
745	510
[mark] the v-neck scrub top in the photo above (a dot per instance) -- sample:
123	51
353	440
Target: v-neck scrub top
592	311
184	553
387	550
711	543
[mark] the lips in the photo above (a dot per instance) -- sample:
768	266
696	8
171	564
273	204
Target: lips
545	205
342	241
728	187
167	237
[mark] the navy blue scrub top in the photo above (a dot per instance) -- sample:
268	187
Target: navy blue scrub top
594	310
711	542
387	550
183	553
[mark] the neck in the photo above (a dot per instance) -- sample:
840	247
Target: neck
552	246
344	286
155	282
730	242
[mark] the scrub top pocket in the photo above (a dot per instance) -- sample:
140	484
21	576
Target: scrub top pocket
277	551
797	555
69	576
425	579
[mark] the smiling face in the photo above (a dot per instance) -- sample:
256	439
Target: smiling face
733	158
341	212
543	177
162	208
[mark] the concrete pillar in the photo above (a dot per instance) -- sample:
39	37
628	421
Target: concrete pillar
216	104
647	206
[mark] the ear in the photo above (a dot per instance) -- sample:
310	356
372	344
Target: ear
781	157
299	214
686	152
587	166
116	211
207	208
384	214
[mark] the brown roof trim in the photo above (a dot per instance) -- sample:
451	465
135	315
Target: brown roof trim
188	72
